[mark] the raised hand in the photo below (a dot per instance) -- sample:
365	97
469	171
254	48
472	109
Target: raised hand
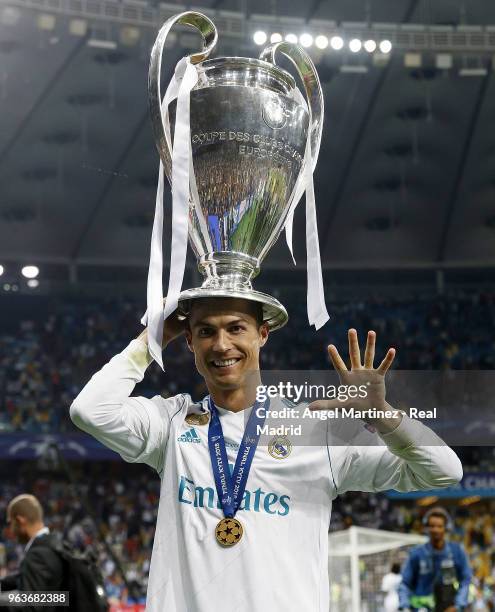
173	327
361	375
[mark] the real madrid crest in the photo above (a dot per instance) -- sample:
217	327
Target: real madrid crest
198	419
280	447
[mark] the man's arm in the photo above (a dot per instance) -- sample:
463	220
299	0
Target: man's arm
134	427
464	575
408	582
413	458
41	570
9	582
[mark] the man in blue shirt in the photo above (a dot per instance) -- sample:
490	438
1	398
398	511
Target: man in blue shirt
436	575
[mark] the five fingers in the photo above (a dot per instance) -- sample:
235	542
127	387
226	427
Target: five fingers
355	354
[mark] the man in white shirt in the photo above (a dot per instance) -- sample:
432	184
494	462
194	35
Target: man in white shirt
281	560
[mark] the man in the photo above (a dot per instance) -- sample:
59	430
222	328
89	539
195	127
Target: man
436	575
281	560
41	569
390	585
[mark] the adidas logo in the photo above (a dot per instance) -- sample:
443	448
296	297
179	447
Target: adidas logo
190	436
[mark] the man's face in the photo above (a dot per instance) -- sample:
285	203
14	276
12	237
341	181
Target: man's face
17	528
225	338
436	528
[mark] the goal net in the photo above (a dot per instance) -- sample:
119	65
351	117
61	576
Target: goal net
358	560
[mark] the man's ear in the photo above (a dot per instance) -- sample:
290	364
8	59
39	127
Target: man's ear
188	334
20	520
264	331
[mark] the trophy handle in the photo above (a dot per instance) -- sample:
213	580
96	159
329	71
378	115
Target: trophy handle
312	86
209	33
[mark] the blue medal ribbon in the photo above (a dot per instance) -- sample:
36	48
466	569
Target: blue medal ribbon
230	489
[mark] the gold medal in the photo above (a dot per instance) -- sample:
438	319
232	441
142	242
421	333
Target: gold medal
198	419
228	531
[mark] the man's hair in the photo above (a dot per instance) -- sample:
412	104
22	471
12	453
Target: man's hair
258	312
27	506
439	512
255	307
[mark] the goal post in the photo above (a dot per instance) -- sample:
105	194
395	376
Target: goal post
358	559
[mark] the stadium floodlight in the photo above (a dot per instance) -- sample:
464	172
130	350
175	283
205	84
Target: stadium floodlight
385	46
306	40
33	283
2	269
78	27
10	15
355	45
276	38
370	46
337	42
292	38
46	22
30	271
321	41
260	37
96	43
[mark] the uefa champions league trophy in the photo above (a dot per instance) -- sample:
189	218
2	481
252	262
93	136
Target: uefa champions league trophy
239	147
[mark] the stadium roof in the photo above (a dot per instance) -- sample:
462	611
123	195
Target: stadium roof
406	174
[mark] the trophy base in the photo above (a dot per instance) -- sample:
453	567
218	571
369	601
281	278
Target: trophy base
274	314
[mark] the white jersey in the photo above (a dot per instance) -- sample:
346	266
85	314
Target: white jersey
281	562
390	585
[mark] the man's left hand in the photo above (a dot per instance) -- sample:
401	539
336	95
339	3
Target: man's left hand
362	374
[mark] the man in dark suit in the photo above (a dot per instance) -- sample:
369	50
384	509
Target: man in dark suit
41	568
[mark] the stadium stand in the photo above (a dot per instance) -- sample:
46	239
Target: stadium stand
39	377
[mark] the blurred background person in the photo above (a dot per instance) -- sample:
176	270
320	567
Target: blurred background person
390	584
437	574
41	568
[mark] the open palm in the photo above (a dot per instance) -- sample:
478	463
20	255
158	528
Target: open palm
359	374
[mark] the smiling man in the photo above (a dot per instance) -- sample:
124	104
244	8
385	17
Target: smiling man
225	336
240	526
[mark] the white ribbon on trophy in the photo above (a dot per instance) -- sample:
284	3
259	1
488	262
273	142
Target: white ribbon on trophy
184	79
317	310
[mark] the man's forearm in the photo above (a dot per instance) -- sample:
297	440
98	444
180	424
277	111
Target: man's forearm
112	385
428	461
134	427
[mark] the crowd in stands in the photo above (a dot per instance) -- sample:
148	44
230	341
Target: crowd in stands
124	498
48	355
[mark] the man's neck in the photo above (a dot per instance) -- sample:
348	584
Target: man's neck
34	529
438	545
234	400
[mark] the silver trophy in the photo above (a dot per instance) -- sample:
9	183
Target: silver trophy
249	129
